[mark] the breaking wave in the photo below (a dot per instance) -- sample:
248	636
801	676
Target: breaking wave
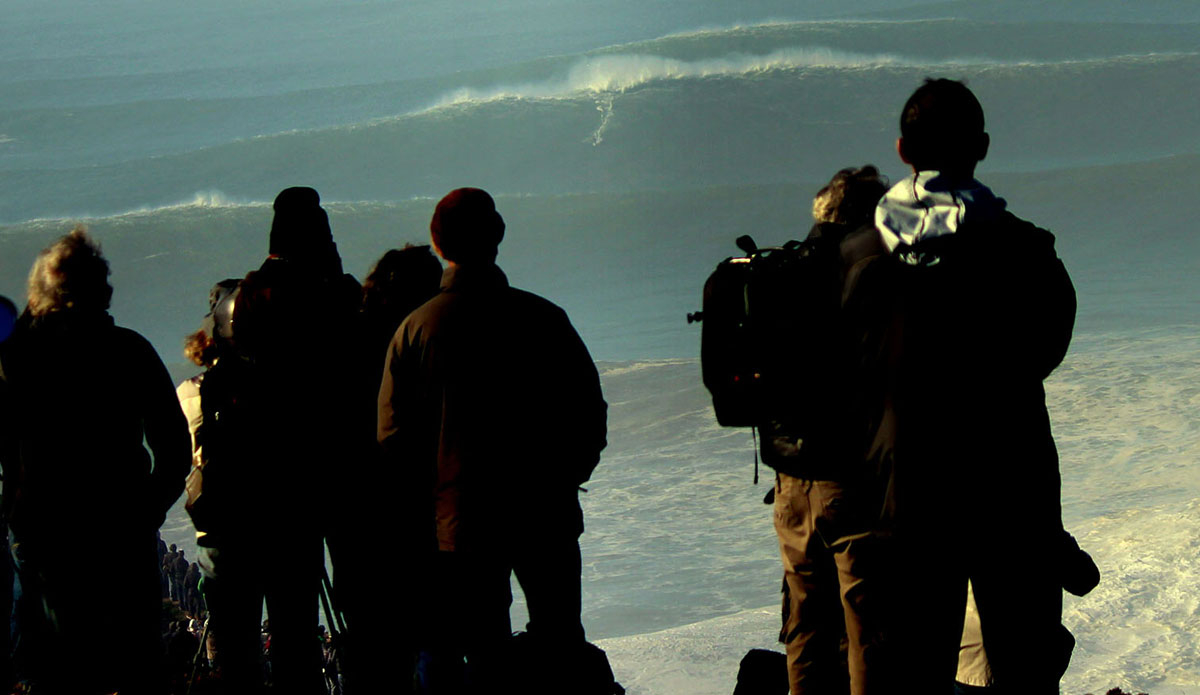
615	74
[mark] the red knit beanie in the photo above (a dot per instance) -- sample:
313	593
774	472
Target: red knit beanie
466	227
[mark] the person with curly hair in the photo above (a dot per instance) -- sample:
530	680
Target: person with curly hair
81	399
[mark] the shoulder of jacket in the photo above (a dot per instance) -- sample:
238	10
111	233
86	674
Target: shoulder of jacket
1025	232
533	302
861	244
133	338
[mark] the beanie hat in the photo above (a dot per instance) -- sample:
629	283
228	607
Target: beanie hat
300	227
466	227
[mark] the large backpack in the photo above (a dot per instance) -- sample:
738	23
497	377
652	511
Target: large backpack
217	492
769	323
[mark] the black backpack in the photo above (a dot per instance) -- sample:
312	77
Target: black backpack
762	672
531	666
768	331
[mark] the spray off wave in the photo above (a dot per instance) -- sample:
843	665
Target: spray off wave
621	73
601	77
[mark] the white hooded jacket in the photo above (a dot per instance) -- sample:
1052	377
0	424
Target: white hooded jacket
927	205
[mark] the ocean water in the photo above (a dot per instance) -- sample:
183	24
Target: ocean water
628	145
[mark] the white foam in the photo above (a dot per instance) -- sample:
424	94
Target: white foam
618	73
605	74
1127	424
697	659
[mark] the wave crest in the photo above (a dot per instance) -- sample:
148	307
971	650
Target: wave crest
211	199
607	74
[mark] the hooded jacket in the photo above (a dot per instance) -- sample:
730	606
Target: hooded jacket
957	324
927	205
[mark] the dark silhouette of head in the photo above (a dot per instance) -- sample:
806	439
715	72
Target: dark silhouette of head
300	229
69	275
173	547
402	280
850	196
466	229
941	128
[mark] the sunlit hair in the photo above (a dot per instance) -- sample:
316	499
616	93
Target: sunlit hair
850	196
201	349
70	274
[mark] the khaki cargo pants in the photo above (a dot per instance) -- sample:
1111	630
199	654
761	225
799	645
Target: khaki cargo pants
827	599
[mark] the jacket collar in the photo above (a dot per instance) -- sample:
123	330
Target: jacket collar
457	278
67	321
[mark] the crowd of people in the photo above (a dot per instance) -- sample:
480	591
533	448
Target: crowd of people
314	423
453	417
180	580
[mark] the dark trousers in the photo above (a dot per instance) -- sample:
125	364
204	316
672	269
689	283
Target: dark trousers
72	647
1006	542
468	614
378	651
287	575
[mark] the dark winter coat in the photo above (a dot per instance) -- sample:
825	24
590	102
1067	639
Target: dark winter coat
491	408
276	411
955	335
78	396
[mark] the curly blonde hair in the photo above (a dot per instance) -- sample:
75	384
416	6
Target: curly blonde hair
850	196
70	274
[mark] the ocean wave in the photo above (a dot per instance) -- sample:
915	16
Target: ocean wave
201	201
214	200
791	25
609	369
603	76
606	74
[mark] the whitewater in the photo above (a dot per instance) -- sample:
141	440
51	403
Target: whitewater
627	148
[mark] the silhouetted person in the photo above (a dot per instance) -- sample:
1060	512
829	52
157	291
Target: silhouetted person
191	590
823	496
165	563
962	317
8	321
204	348
78	397
179	568
162	557
275	432
8	317
491	410
374	643
402	280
